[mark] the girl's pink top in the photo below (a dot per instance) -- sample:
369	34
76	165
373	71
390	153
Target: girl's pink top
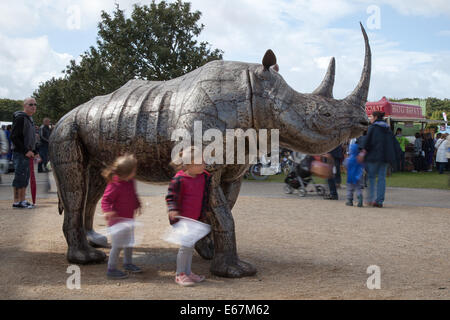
120	196
191	197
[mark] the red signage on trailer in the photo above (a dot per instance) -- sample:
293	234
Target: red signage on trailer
394	109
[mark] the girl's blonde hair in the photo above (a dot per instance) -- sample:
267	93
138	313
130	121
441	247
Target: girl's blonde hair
123	167
185	158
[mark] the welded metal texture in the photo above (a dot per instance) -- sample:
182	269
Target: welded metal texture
140	117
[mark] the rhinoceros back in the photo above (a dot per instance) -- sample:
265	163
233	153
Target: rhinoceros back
140	116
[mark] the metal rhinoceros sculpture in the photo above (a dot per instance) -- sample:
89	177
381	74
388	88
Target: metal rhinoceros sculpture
140	116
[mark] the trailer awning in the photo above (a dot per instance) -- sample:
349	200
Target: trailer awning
394	110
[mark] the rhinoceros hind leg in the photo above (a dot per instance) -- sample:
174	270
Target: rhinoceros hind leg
70	168
85	255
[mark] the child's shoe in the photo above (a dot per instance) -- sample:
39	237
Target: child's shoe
360	201
196	278
116	274
349	203
183	280
132	268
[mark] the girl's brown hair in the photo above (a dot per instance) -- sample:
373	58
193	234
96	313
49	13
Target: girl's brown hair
123	166
183	158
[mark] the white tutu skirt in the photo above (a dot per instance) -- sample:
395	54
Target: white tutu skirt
186	232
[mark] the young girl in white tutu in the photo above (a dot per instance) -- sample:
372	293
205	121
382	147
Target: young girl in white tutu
120	203
188	197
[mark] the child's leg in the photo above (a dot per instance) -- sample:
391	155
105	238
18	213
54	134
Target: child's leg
116	247
184	260
350	188
113	258
128	249
358	188
128	255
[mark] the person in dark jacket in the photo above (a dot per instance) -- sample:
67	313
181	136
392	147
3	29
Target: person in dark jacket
428	147
418	155
337	155
23	138
44	134
8	136
378	151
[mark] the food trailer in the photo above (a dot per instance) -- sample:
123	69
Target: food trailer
396	113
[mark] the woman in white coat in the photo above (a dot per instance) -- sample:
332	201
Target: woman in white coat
441	154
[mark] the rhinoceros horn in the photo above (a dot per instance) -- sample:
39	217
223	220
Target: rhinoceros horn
359	95
326	87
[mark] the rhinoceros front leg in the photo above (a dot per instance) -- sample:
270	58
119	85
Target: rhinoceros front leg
226	262
205	246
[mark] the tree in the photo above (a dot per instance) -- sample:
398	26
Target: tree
157	42
434	104
437	115
50	98
8	107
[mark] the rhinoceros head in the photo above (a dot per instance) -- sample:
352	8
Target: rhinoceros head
312	123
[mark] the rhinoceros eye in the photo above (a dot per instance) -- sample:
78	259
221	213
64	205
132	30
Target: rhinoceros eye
327	114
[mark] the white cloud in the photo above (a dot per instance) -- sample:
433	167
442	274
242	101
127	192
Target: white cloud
298	31
4	92
26	62
444	33
26	15
429	8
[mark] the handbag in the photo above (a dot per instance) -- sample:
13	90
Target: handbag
322	166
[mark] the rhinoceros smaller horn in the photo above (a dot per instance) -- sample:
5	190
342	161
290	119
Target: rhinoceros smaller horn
269	59
326	87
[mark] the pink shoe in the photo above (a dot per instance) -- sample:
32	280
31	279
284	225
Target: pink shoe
196	278
183	280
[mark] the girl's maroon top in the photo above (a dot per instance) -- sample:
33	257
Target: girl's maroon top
189	195
120	196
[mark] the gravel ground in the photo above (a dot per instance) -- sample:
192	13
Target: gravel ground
304	248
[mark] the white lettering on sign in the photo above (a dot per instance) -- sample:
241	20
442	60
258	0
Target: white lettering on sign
375	108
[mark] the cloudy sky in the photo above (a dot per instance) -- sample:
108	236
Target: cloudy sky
410	40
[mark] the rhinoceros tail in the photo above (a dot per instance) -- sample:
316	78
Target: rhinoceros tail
60	205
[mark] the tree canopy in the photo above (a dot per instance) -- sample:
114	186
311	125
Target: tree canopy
8	107
157	42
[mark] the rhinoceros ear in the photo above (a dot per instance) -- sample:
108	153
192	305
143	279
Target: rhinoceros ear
276	67
269	59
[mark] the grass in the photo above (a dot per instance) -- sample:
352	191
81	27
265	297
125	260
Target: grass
421	180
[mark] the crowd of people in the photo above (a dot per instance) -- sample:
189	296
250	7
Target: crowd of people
378	150
430	152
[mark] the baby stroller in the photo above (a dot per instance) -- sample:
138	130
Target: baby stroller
300	178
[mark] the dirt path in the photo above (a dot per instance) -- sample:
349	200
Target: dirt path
303	248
